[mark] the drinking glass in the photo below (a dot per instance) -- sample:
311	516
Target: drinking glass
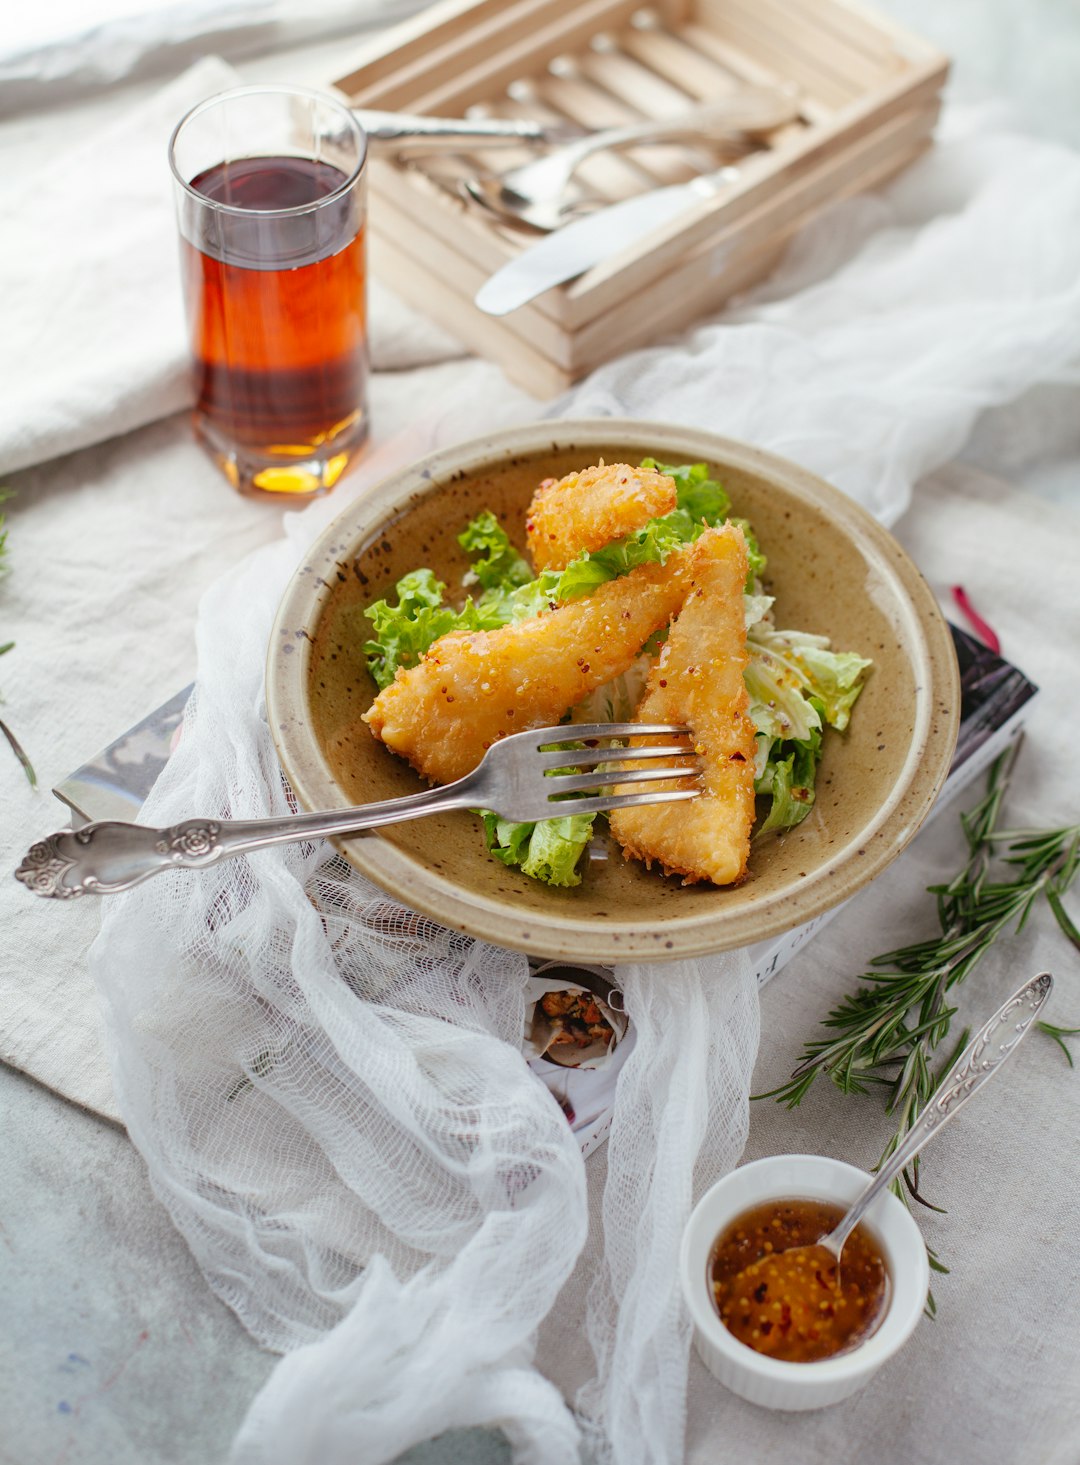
270	193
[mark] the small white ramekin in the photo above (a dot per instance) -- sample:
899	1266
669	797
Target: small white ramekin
769	1381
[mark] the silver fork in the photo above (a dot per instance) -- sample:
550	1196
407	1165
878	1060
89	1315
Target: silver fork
523	777
536	192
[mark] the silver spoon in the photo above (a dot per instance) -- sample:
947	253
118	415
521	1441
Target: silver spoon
995	1042
535	193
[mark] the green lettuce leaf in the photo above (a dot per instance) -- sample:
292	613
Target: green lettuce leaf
701	499
496	564
521	603
754	557
789	667
647	546
797	686
699	496
779	707
834	677
789	779
548	850
402	632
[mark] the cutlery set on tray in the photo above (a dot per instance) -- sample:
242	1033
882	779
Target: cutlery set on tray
544	194
576	180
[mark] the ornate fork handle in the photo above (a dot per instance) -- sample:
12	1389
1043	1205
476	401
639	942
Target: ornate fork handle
995	1042
108	857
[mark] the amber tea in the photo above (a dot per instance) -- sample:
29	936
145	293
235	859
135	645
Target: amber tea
273	263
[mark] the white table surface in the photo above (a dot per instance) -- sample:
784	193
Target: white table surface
113	1350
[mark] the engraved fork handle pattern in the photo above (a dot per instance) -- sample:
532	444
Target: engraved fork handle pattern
994	1043
108	857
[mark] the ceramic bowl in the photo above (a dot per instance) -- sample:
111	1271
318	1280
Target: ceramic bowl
833	569
771	1381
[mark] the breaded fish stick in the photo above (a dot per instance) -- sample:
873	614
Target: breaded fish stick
588	510
472	688
698	680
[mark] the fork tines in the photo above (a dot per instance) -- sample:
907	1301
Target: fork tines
570	783
583	732
554	756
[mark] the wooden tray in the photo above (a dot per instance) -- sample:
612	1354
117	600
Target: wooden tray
868	95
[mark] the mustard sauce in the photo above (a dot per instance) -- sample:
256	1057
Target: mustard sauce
797	1307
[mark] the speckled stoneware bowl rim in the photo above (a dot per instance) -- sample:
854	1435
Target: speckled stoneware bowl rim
927	640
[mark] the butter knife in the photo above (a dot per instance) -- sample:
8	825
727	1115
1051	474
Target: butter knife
590	240
115	783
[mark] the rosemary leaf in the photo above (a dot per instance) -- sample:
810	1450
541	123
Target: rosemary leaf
1059	1035
17	749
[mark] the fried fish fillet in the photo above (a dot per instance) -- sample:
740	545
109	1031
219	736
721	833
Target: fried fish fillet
472	688
698	680
589	509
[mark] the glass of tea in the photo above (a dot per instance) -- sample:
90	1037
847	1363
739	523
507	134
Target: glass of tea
270	191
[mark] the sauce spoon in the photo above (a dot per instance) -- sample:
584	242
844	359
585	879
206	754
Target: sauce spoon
995	1042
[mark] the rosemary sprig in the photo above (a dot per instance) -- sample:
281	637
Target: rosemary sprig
886	1034
13	741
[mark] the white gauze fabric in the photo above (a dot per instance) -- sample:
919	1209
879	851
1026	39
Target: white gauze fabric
681	1096
318	1078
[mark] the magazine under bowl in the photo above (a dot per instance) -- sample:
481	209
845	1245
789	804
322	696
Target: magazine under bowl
833	570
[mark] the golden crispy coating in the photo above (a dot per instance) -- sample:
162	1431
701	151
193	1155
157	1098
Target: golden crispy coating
698	680
588	510
472	688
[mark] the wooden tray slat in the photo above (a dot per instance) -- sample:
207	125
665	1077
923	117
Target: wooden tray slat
789	25
396	51
432	295
668	54
442	259
395	77
840	22
422	200
491	70
644	93
750	71
861	19
748	30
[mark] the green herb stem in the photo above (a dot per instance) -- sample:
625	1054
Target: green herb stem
12	740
